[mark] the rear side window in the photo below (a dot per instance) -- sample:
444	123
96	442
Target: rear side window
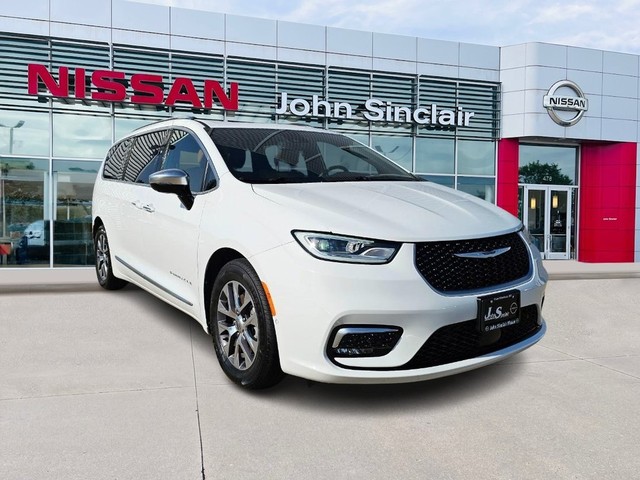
116	159
146	156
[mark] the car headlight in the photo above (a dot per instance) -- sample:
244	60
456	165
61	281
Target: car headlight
339	248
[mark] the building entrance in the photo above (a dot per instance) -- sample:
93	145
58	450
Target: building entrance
548	213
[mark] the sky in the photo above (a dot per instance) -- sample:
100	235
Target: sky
605	25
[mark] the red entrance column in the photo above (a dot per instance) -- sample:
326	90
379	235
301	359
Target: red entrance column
508	157
607	202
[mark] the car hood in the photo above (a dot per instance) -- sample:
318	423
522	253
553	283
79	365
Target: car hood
400	211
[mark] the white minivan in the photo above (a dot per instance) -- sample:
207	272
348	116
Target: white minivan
302	251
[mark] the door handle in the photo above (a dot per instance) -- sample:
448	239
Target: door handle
147	207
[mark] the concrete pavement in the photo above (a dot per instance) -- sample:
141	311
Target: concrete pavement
97	384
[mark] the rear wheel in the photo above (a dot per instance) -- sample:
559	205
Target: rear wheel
104	271
242	327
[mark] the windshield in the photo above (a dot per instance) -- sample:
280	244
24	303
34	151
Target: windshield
269	155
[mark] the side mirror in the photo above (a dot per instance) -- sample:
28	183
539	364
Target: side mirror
173	180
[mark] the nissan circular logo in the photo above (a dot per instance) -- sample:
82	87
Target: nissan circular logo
564	109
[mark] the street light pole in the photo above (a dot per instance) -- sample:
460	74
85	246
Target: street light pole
17	125
4	201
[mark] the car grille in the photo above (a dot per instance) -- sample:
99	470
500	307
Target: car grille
461	341
447	273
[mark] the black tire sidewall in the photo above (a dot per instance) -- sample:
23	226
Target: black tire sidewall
265	370
111	282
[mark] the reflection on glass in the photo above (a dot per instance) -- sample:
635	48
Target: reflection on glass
558	221
548	165
536	217
398	149
24	224
445	180
520	202
435	155
476	158
84	136
73	189
126	125
480	187
358	137
24	133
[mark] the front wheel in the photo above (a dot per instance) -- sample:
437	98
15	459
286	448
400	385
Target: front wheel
242	327
104	271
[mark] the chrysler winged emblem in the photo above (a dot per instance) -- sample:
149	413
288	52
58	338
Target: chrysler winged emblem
487	254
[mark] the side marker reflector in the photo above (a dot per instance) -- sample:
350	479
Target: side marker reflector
269	299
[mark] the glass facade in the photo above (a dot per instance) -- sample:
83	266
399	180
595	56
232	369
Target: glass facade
51	148
547	197
548	164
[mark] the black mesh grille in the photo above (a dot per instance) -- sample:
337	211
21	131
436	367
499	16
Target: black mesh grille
385	340
445	272
461	341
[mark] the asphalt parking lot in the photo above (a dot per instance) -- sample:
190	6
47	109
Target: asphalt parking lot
117	385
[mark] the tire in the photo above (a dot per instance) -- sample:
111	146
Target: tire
104	270
241	324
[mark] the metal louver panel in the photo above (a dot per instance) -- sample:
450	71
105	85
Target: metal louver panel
198	69
133	61
484	100
16	53
257	89
301	82
90	57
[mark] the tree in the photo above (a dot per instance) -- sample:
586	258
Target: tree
543	173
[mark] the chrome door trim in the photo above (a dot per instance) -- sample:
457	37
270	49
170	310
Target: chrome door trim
153	282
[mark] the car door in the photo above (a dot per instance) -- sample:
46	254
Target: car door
146	156
170	237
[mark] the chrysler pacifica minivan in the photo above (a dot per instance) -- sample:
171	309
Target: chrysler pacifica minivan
304	252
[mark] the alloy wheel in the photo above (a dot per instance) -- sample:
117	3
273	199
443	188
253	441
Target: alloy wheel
238	331
102	256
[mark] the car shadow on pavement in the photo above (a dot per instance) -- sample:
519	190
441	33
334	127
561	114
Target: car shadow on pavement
456	389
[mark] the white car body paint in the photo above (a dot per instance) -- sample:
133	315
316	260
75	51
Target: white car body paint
312	296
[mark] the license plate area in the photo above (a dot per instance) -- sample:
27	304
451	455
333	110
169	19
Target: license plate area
498	311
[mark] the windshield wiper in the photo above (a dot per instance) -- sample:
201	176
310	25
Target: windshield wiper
377	177
280	179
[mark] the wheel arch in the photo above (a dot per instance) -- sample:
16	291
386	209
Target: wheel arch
97	223
218	260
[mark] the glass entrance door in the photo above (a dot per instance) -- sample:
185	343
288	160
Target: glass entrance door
547	214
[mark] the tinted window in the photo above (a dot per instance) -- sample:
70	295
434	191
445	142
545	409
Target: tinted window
116	159
186	154
146	156
261	155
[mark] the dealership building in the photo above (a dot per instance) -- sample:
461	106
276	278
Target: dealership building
548	132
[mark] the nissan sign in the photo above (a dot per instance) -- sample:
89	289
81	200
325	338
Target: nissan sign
139	88
565	110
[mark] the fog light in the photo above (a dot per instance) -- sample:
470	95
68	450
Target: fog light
363	341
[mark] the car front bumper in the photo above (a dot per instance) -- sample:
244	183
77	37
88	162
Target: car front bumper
313	298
